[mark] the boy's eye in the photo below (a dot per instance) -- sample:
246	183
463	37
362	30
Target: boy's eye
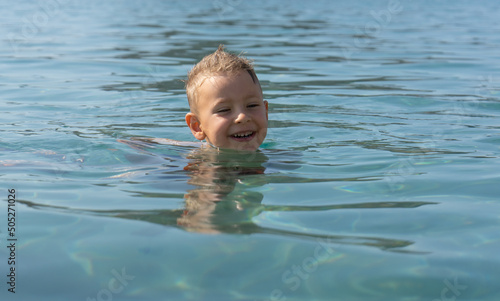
223	110
253	105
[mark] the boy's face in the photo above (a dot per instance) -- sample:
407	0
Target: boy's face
231	113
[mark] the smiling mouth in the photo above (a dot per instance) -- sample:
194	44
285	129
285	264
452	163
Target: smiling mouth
243	136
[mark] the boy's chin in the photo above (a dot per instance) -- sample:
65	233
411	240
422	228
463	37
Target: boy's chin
240	146
247	146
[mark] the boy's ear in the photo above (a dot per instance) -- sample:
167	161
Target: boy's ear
267	108
194	125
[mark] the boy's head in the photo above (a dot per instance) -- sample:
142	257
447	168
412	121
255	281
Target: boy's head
226	102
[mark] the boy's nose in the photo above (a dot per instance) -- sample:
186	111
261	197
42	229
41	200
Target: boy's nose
242	117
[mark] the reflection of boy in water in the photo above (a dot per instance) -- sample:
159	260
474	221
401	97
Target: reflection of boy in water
215	175
226	102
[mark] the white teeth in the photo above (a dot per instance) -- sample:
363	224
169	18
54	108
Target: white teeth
242	135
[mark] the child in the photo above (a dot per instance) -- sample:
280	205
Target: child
226	102
227	108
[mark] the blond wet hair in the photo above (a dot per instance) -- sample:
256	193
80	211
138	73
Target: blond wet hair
216	63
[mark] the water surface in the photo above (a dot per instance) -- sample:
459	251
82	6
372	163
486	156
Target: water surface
378	179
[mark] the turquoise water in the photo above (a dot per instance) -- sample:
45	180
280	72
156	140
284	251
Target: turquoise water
378	179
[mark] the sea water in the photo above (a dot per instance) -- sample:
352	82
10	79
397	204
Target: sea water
378	180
